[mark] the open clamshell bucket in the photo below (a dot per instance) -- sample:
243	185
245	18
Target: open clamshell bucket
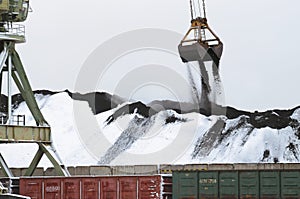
195	46
199	52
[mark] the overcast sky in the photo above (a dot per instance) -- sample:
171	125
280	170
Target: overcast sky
259	67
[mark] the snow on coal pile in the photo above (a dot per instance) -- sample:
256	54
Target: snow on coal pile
135	133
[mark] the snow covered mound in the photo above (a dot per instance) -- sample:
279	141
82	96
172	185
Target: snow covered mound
98	128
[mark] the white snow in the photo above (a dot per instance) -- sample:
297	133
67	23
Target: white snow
148	140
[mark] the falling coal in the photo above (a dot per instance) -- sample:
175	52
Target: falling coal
209	93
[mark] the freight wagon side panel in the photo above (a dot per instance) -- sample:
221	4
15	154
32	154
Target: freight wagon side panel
149	187
52	188
290	184
185	185
71	188
229	184
249	184
31	187
208	184
109	187
269	184
128	187
90	188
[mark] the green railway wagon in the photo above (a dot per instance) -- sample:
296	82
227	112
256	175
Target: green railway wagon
269	184
228	186
208	184
290	184
185	185
223	184
248	184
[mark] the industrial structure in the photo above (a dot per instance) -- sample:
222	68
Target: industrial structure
186	181
12	130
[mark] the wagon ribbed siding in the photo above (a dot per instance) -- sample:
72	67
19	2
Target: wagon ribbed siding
192	181
112	187
272	184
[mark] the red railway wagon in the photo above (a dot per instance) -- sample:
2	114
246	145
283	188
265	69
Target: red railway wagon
108	187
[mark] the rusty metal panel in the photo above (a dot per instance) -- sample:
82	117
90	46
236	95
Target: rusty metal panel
90	188
149	187
22	133
109	187
128	187
71	188
52	188
25	134
31	187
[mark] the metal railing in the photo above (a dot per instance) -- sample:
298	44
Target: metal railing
13	29
18	120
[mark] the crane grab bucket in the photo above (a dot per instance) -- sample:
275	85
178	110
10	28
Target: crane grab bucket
200	52
196	46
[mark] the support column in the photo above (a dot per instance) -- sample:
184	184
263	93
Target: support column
60	169
9	91
6	171
27	93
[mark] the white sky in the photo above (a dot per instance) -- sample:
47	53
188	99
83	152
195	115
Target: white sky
259	67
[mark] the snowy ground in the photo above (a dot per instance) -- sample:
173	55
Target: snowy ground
82	138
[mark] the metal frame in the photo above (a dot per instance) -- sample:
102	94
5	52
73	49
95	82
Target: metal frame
198	25
4	168
60	169
41	134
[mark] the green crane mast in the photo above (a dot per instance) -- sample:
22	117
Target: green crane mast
12	12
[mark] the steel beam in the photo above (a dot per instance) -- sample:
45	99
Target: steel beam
4	55
25	134
60	169
37	158
9	90
6	171
27	90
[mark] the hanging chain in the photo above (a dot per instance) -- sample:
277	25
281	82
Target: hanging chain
199	8
193	8
192	14
204	9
